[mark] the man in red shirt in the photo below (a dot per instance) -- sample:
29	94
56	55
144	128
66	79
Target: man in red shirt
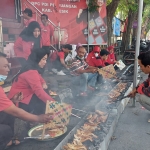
104	57
144	88
46	32
8	110
27	15
58	59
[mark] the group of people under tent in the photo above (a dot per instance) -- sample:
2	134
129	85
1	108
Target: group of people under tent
29	92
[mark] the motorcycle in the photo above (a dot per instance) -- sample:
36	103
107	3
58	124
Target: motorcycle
129	55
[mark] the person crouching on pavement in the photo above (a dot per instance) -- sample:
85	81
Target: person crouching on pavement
144	88
58	59
83	75
8	111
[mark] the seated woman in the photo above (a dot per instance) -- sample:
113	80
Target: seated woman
111	56
29	39
8	111
30	82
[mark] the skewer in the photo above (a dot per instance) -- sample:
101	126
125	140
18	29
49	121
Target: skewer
79	110
75	115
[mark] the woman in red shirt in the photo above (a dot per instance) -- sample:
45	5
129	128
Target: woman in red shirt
8	111
29	39
30	82
111	56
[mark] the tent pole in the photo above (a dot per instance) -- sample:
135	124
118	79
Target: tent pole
137	46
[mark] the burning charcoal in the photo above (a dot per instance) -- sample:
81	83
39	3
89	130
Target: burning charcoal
105	130
91	148
97	142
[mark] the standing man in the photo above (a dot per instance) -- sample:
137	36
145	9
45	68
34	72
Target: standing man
46	32
144	88
28	16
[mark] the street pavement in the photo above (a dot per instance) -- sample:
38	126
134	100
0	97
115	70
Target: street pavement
133	129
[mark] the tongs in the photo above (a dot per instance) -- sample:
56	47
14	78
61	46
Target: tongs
37	137
127	96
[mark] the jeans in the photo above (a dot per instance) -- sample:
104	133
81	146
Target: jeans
85	79
145	101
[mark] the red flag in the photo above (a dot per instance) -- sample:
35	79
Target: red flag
56	10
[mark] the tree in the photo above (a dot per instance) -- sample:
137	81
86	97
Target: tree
129	8
111	9
146	20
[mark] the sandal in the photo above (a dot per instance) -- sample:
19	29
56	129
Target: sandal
15	142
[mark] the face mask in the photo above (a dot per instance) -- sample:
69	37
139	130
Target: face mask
96	54
2	78
80	58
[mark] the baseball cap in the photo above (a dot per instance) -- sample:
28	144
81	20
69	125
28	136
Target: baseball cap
104	52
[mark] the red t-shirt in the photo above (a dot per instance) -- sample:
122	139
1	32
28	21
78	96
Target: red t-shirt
61	55
26	22
29	83
4	101
57	54
46	33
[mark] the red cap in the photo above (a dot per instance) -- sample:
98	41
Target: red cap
110	47
96	49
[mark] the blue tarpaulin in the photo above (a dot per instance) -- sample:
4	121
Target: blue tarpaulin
116	26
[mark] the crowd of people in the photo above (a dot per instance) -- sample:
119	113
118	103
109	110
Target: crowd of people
29	91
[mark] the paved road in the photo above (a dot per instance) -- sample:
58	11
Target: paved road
132	129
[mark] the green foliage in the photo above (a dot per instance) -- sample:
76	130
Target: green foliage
108	2
93	5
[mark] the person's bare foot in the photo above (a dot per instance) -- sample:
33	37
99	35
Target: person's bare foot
13	142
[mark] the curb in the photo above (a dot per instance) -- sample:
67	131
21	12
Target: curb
116	113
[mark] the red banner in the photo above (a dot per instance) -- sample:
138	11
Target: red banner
73	16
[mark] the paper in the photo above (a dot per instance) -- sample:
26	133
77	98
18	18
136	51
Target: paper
120	65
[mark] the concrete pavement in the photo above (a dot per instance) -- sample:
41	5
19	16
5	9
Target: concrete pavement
133	129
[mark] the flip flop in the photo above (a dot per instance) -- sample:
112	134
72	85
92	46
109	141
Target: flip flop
14	143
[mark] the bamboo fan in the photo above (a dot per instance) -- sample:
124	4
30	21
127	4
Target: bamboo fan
61	114
108	72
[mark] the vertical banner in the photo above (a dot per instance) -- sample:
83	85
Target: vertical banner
73	20
116	26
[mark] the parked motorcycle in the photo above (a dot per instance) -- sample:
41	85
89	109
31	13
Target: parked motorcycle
129	55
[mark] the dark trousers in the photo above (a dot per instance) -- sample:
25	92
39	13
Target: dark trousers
6	129
57	65
36	106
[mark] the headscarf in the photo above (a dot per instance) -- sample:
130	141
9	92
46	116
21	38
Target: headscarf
78	46
27	34
33	61
96	49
